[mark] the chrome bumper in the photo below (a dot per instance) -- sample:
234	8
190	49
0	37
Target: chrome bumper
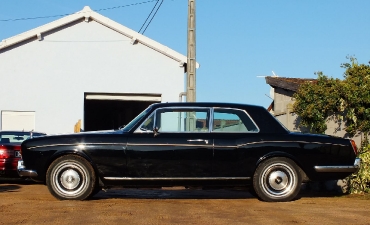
342	169
23	172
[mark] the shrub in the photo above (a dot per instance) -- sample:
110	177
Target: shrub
359	183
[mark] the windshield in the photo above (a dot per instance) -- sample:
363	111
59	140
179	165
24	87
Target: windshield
133	122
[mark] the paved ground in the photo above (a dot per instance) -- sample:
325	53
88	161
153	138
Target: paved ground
24	202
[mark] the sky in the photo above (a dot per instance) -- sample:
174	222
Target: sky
237	41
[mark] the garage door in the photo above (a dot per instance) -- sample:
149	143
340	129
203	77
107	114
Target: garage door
106	111
18	120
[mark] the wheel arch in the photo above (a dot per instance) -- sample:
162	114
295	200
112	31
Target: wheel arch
282	154
81	154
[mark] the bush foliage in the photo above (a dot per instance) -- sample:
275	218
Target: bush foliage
349	101
359	183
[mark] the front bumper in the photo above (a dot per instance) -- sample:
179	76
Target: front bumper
23	172
340	169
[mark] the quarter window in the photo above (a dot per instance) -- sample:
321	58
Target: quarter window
231	120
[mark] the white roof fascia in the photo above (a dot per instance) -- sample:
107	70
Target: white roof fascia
39	30
88	13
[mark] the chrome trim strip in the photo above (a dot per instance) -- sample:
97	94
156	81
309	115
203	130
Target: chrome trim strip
176	178
179	145
303	142
21	169
75	144
343	169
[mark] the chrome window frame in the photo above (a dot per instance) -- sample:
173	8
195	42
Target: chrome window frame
242	132
210	122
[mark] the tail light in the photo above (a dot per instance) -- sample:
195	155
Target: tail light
6	153
354	146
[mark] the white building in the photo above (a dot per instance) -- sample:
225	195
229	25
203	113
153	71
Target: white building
84	67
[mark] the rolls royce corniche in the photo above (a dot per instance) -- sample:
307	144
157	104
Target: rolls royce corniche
192	145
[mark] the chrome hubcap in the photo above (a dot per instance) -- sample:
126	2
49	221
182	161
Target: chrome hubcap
70	179
278	180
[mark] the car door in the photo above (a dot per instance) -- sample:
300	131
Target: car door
233	130
172	143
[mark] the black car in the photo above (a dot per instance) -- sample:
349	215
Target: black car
189	144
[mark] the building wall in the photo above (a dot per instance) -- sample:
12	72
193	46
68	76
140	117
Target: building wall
282	98
50	76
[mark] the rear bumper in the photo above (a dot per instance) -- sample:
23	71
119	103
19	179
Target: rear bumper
340	169
9	164
8	167
23	172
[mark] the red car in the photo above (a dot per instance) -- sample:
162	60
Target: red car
10	146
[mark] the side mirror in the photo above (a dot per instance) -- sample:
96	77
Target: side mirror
155	131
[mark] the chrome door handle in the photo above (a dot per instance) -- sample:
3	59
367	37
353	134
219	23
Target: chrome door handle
198	140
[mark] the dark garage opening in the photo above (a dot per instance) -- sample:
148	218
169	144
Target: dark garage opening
109	114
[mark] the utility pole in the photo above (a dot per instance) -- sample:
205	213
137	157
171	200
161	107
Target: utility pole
191	66
191	62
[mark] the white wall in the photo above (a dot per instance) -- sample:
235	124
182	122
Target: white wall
51	76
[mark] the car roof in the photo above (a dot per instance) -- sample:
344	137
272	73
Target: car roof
205	104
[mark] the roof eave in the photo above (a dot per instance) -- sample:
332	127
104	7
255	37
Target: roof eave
276	83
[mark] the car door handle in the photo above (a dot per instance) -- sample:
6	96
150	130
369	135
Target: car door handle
198	140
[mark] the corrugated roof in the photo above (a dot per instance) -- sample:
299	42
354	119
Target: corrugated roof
89	14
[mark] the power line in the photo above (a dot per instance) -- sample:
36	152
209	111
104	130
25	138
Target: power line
67	14
148	16
153	16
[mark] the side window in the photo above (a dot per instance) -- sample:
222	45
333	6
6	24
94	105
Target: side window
182	120
231	120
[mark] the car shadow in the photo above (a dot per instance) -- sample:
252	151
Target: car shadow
172	193
9	188
13	184
22	181
182	193
317	194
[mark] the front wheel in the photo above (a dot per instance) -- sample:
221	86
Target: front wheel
277	180
70	177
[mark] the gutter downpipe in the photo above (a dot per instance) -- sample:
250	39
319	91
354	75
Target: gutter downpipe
180	100
180	96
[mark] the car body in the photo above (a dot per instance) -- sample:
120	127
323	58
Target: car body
10	146
192	145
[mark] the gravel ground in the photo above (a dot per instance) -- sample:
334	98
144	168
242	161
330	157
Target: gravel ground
24	202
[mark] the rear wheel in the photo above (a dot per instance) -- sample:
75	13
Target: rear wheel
277	180
71	177
96	190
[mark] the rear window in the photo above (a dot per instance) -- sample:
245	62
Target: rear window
16	137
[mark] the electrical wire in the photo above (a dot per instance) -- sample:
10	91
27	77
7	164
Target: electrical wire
67	14
148	16
153	17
